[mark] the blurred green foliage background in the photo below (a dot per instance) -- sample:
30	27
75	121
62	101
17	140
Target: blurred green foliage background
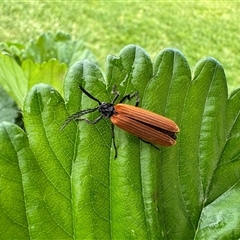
198	29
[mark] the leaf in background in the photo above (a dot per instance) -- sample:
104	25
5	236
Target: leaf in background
73	188
59	46
44	60
8	109
18	80
12	49
51	72
12	79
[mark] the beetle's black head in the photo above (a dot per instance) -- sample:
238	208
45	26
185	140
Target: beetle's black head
106	109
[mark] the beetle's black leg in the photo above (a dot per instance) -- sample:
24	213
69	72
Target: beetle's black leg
126	97
129	97
149	143
89	121
114	143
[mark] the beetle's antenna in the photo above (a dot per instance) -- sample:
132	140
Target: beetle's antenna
77	115
89	95
129	97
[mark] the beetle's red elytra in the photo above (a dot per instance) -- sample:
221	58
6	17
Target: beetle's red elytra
145	124
148	126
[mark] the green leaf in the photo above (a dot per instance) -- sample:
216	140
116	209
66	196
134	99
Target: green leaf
69	184
59	46
44	60
43	113
15	158
8	108
202	129
17	80
220	219
51	72
12	49
12	79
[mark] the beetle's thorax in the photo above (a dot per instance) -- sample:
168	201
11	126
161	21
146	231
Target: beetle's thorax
106	109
